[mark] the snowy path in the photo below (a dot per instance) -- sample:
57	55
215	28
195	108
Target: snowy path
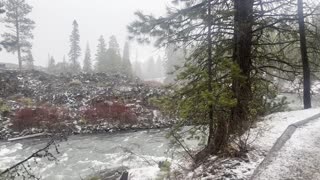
299	158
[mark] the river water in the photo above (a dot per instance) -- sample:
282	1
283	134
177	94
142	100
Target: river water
84	155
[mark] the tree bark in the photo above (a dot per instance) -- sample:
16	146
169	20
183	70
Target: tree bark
304	58
241	86
218	131
18	42
210	64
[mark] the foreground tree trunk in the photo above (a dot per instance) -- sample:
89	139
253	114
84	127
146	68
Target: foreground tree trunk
209	66
304	58
241	86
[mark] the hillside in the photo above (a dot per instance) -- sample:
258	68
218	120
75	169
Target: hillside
33	102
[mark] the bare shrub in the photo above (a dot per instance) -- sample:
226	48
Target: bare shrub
39	117
109	111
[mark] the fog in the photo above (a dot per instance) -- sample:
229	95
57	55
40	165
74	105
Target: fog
54	18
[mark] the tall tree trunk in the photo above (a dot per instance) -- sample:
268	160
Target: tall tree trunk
218	131
241	86
304	58
18	42
210	64
19	57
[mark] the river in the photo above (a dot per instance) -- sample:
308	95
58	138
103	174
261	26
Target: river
84	155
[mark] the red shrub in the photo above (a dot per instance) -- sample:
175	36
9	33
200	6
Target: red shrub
110	112
40	117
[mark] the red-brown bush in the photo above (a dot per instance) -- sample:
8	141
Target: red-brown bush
39	117
109	111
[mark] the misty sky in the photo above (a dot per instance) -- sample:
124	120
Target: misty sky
95	17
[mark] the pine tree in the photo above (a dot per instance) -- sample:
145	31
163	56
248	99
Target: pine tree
101	59
62	67
304	57
175	59
20	27
137	67
29	60
2	43
75	50
151	71
51	64
159	67
204	85
126	64
113	57
87	64
2	8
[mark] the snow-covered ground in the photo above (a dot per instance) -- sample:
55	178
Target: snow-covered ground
261	140
299	158
271	128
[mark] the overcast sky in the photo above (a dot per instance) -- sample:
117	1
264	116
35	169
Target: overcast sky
95	17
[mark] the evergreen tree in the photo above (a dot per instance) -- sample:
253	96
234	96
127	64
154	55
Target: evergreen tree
204	89
175	59
151	69
113	58
126	64
243	37
20	27
159	67
51	64
29	60
101	59
2	43
137	69
62	67
75	50
2	8
87	64
304	57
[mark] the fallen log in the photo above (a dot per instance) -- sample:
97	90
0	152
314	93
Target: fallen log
28	136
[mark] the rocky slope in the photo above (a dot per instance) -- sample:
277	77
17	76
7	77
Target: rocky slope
33	101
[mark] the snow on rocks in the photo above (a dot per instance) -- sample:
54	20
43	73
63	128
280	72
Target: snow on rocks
82	94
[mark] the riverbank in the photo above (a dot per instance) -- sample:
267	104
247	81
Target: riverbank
47	136
34	102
